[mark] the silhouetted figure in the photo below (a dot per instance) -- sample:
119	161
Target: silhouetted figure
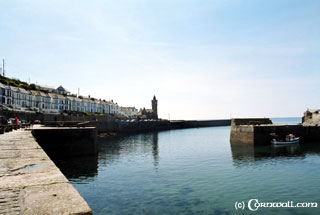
16	122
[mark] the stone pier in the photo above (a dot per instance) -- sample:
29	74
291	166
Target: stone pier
30	183
259	131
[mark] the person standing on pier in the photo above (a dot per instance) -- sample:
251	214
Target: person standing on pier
16	122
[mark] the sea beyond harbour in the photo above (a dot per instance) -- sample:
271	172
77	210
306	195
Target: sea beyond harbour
194	171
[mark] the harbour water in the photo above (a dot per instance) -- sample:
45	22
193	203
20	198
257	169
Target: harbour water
194	171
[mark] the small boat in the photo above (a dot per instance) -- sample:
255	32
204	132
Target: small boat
290	139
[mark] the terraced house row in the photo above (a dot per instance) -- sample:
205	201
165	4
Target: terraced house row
51	100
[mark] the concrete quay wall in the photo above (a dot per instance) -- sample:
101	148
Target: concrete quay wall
30	183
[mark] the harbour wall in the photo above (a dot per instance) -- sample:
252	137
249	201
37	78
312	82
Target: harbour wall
67	141
180	124
242	134
259	134
126	126
243	130
109	123
73	138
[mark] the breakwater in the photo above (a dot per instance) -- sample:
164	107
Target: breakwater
109	123
180	124
259	131
31	183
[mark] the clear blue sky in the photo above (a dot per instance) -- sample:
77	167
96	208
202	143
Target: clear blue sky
202	59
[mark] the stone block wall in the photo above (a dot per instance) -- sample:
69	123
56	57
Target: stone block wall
242	134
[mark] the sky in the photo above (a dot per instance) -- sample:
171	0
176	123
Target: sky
203	59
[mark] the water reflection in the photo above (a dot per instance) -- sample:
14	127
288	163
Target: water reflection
243	154
78	169
155	149
194	171
112	150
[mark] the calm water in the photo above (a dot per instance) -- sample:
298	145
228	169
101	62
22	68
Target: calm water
194	171
288	121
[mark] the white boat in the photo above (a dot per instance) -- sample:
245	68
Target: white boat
290	139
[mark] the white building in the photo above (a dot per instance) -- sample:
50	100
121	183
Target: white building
72	104
129	111
3	94
24	98
61	102
36	98
16	102
55	100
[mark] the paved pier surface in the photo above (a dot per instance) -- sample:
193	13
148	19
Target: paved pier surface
30	183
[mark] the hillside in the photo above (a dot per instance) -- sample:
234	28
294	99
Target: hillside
16	83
